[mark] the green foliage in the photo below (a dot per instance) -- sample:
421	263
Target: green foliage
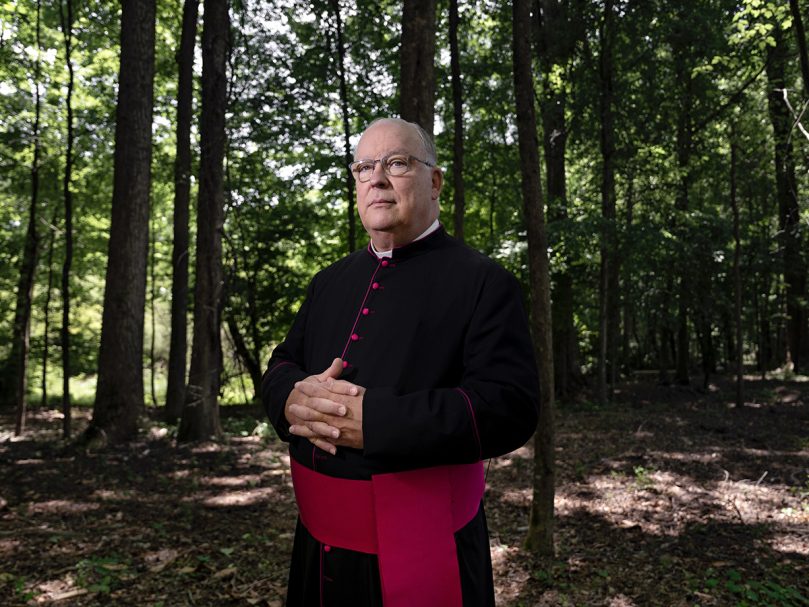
730	586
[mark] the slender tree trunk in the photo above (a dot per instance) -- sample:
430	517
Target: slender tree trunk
540	531
47	311
737	275
684	137
416	61
555	47
247	357
607	290
800	36
626	300
200	419
119	393
341	73
153	324
175	388
67	31
17	365
794	266
459	204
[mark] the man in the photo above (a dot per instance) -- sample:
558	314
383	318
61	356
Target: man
429	370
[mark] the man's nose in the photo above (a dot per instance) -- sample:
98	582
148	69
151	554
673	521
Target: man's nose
378	175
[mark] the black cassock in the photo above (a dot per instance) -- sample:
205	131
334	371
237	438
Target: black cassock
438	336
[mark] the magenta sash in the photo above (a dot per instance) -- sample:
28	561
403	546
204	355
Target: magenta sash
408	519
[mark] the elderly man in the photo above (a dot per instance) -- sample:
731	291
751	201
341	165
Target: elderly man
408	364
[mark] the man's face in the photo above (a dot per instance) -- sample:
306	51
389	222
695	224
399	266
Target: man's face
396	209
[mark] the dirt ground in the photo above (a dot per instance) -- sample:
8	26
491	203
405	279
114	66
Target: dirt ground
668	497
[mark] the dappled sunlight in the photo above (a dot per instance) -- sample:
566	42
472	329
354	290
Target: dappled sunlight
245	497
246	480
62	507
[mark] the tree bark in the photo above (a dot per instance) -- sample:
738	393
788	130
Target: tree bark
684	145
607	290
67	32
459	203
540	531
800	36
737	274
794	266
249	359
175	389
119	393
200	419
341	73
17	364
416	61
46	331
555	46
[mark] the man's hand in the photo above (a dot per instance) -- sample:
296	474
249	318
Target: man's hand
333	372
331	415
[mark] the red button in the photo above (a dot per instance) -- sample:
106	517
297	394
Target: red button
365	311
327	548
384	263
354	337
375	286
345	364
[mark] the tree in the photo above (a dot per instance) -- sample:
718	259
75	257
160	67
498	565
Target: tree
119	392
794	266
67	31
457	112
175	389
417	70
341	74
17	363
540	531
200	419
556	39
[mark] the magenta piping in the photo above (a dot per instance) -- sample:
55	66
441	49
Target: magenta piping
474	421
359	312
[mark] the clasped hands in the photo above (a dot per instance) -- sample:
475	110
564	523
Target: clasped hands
326	410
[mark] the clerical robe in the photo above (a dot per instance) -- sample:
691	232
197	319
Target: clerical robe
438	336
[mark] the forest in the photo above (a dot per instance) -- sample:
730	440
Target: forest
174	172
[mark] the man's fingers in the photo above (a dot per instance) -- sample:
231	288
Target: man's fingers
341	386
325	445
318	399
315	430
334	371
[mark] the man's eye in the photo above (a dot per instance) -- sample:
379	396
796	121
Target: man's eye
365	167
397	163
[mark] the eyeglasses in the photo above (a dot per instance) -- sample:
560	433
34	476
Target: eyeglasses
395	165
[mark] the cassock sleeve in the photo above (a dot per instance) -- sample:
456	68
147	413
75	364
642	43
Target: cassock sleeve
285	368
491	412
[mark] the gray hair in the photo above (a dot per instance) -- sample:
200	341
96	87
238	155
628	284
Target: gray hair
425	138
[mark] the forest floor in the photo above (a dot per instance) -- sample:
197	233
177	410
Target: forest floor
668	497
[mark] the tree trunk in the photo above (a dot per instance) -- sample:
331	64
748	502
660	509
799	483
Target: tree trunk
175	389
459	204
46	331
555	47
67	31
800	36
607	289
341	73
152	320
247	357
737	275
17	365
684	137
540	531
119	393
794	266
200	419
416	61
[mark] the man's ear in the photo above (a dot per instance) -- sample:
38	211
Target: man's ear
438	182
